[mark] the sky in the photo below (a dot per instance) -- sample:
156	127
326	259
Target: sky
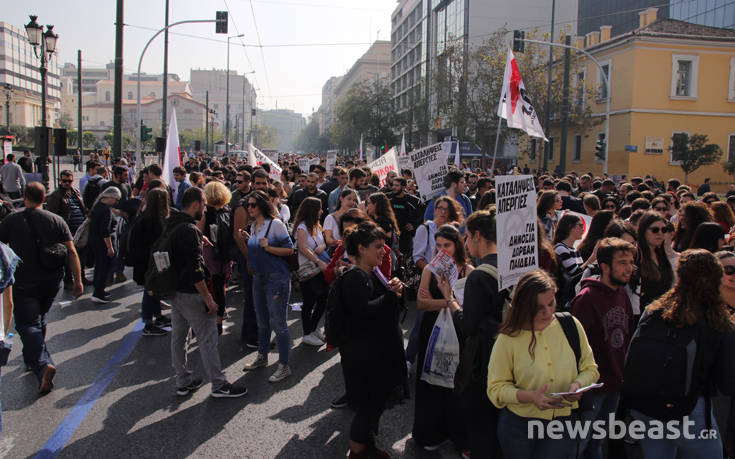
331	34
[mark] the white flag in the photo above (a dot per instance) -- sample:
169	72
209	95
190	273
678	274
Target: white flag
360	147
457	158
403	145
251	155
173	154
515	104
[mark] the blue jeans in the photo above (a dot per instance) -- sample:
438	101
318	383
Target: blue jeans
270	297
150	306
691	448
513	434
31	306
603	405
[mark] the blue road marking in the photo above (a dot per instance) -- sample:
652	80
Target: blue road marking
71	422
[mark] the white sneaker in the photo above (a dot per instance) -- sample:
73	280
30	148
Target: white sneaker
320	335
260	361
313	340
282	372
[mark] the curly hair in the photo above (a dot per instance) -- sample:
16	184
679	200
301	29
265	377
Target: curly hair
693	213
696	293
217	194
455	212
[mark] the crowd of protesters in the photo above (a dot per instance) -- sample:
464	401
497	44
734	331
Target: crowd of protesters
651	255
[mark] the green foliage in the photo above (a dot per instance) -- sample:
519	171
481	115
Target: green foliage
366	109
693	152
309	139
109	138
89	140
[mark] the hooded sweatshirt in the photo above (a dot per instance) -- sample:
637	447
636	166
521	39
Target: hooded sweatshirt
607	318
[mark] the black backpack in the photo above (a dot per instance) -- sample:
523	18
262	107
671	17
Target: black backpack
225	248
336	325
91	191
125	251
662	367
163	282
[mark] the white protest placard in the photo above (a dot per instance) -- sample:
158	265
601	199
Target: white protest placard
429	165
331	161
272	155
516	221
304	165
7	148
313	162
443	265
404	162
586	221
260	158
386	163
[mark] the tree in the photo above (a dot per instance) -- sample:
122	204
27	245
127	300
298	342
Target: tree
693	152
310	140
108	138
66	121
264	136
367	109
89	139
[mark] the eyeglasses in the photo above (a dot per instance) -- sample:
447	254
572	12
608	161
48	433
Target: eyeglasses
443	209
610	207
66	181
252	205
729	269
656	229
239	181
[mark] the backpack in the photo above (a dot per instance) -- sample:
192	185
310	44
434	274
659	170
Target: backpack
91	191
662	366
81	236
162	277
336	325
225	248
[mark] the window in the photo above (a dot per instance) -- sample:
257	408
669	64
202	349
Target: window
676	139
551	148
130	95
107	96
684	71
579	93
607	68
577	148
731	147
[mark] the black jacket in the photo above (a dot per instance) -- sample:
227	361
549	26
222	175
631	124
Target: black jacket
144	232
186	251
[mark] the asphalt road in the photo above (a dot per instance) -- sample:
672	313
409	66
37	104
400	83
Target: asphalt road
115	396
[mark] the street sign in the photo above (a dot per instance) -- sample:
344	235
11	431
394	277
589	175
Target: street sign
632	148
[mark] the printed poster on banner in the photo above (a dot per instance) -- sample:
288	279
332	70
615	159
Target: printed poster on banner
272	155
516	227
386	163
404	162
444	265
586	221
304	165
429	165
331	161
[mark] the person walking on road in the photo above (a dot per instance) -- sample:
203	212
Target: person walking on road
12	178
33	234
193	306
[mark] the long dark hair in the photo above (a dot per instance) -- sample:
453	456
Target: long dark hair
383	208
694	213
365	234
263	202
308	213
546	202
707	235
524	305
696	293
346	192
649	269
594	234
156	203
353	215
450	233
565	226
545	246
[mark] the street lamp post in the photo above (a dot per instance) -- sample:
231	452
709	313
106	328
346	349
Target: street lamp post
46	41
8	92
227	97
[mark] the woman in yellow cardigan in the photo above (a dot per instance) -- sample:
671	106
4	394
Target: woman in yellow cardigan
531	359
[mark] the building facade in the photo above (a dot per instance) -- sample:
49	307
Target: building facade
373	66
714	13
326	115
243	98
19	68
90	76
287	124
667	77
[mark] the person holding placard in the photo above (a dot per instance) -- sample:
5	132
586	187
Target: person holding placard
437	416
532	358
454	187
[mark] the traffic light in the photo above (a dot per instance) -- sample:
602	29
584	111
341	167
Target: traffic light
221	22
519	45
145	133
600	148
252	112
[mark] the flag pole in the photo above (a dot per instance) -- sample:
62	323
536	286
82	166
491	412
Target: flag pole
497	139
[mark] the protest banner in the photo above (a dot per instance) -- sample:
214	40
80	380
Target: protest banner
272	155
260	158
429	165
516	222
313	162
443	265
331	160
404	162
386	163
304	165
